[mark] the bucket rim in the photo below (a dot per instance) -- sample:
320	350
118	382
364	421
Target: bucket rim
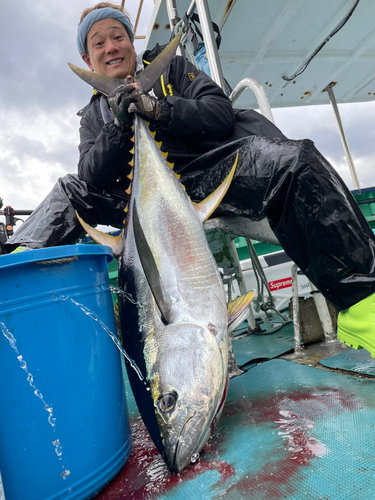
59	252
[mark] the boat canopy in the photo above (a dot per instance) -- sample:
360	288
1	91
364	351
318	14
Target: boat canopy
273	41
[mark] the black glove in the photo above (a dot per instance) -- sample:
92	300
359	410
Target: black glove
119	100
145	106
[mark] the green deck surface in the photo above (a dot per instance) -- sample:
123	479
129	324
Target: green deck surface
288	431
261	347
352	361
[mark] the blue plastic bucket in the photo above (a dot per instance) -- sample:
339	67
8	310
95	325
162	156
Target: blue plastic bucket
64	430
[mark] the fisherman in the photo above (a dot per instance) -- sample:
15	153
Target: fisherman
308	206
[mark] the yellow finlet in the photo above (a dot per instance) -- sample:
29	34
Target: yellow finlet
153	133
240	302
170	164
164	154
158	144
131	151
130	176
131	162
177	175
126	209
132	138
238	306
129	190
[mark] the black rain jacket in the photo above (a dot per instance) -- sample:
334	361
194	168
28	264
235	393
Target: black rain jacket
198	110
197	117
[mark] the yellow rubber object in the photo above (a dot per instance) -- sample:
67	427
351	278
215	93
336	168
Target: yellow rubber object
356	325
20	249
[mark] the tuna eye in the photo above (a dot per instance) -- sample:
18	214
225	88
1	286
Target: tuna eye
167	402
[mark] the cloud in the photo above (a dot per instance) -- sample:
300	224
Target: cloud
35	152
34	62
318	124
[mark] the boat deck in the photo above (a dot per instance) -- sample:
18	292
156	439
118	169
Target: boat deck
292	428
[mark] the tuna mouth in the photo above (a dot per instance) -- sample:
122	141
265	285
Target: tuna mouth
183	457
175	465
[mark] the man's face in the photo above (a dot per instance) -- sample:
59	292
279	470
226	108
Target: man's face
110	51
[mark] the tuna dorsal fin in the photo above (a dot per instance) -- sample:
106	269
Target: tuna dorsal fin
206	207
162	298
114	242
237	310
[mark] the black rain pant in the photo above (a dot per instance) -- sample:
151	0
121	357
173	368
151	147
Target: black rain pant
310	209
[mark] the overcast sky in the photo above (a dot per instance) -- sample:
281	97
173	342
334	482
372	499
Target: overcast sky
40	97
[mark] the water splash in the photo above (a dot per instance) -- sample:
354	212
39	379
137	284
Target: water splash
93	316
30	379
58	447
119	291
51	418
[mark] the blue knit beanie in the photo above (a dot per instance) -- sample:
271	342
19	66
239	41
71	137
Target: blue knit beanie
98	15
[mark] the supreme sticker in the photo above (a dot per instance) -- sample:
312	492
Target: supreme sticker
279	284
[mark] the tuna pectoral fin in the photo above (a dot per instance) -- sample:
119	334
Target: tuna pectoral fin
206	207
162	298
115	242
237	310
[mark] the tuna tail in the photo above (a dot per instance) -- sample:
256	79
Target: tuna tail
206	207
115	242
162	298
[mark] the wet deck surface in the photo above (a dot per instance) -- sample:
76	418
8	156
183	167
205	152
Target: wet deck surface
291	429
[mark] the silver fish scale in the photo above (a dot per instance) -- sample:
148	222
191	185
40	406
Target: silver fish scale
190	272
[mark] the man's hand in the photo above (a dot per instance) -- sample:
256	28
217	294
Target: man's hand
119	100
145	106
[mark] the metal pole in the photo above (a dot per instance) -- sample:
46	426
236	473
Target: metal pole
344	141
260	94
172	12
173	20
209	41
296	318
138	16
190	9
323	312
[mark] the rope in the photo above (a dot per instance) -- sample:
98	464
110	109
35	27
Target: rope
260	304
185	41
